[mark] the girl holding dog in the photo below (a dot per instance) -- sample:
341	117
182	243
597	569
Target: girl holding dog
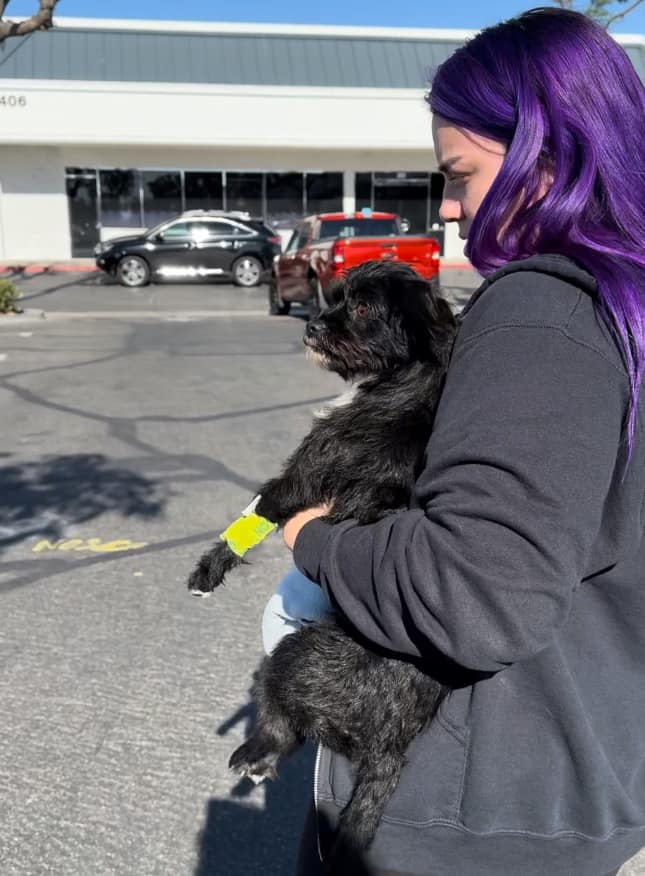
522	559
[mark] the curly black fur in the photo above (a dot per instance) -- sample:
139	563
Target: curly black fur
390	333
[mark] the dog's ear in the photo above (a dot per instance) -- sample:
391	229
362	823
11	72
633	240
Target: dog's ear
336	291
429	321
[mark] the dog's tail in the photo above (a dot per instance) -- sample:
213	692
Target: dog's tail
376	780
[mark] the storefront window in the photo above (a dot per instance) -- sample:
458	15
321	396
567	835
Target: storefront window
120	200
81	187
204	190
285	202
363	190
406	194
244	192
324	192
161	196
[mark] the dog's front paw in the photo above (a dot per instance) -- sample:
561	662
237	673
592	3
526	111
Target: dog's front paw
250	763
212	569
199	583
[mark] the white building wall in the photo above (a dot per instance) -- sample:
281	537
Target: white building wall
116	125
216	115
34	217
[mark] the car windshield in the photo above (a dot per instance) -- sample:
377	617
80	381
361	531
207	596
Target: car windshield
157	228
359	228
258	225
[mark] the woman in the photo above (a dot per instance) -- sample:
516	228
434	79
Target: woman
522	558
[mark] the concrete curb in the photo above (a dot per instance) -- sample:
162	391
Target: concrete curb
11	319
81	266
29	268
152	315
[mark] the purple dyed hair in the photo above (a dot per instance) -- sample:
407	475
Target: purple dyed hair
566	102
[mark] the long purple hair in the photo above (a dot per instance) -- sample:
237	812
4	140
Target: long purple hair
565	100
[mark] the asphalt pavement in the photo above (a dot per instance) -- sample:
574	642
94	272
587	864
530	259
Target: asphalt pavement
136	425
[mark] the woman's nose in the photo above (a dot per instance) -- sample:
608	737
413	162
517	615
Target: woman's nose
450	210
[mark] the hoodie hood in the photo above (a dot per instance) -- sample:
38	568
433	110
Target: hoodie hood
553	264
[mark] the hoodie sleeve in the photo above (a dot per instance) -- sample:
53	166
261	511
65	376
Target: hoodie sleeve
521	458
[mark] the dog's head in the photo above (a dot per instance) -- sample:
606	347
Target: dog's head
384	316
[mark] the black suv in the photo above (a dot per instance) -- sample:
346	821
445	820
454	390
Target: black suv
199	244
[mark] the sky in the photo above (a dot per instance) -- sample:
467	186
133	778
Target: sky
383	13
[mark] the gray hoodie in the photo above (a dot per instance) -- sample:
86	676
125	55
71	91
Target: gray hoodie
521	562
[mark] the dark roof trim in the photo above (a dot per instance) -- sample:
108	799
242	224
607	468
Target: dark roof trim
317	59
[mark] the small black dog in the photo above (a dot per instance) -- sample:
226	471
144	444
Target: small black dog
390	334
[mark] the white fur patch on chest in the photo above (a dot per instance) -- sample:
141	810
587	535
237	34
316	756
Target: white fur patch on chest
345	398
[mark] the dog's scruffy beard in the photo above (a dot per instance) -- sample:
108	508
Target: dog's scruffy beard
319	358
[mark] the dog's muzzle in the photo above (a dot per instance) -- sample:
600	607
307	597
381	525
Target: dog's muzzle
314	329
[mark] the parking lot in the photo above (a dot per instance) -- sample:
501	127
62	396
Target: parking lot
137	424
95	294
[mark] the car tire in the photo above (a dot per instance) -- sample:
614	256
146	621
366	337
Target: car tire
247	272
133	271
317	301
277	307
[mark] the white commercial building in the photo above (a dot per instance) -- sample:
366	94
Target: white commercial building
110	126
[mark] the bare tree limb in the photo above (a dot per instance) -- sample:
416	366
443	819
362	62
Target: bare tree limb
622	14
42	20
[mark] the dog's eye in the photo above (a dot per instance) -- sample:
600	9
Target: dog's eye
362	309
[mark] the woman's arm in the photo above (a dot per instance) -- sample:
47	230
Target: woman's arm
520	461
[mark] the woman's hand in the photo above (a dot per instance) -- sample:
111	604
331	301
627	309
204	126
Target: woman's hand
293	526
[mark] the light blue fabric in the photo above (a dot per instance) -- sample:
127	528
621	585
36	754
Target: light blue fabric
296	601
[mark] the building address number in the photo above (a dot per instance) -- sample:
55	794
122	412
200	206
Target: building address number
13	100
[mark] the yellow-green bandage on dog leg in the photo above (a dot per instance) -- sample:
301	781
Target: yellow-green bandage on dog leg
246	532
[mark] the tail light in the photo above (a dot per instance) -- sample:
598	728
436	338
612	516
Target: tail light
338	253
277	240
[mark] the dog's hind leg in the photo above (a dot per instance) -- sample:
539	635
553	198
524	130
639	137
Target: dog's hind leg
273	739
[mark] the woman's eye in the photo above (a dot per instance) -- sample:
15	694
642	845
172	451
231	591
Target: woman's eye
362	309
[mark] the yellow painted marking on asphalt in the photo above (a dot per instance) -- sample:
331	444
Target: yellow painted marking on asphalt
95	545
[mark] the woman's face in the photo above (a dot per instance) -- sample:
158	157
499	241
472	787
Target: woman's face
469	164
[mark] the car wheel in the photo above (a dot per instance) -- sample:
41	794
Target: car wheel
277	307
247	271
133	271
317	301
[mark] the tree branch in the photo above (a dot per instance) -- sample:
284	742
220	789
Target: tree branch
622	14
42	20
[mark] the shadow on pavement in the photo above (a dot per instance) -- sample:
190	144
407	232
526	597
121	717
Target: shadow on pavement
41	498
87	279
238	838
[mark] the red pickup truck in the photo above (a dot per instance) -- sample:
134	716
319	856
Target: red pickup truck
322	247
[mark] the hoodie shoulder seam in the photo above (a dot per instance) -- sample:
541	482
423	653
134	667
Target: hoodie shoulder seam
544	325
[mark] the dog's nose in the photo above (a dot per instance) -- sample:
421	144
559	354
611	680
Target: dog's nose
314	327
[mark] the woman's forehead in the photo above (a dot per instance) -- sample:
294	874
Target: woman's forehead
453	144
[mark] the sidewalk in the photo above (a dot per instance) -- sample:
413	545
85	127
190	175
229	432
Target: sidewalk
82	266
